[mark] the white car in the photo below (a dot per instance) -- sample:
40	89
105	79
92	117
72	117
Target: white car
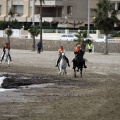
68	37
102	39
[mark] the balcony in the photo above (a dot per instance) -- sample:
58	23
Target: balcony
49	11
48	19
17	2
50	3
8	18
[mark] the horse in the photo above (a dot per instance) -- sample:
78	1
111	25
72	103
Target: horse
78	63
62	65
6	57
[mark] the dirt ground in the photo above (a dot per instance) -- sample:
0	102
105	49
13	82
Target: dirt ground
96	96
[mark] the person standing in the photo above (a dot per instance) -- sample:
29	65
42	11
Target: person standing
90	46
39	45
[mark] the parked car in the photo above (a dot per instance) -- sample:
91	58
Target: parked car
68	37
102	39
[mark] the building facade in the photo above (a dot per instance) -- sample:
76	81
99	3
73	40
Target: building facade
53	10
63	11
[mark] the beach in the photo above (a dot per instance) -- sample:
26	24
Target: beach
95	96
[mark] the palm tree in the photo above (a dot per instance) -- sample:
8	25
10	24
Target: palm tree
11	13
41	1
34	31
9	32
81	39
105	19
80	36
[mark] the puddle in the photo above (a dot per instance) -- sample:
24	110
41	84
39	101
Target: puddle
38	85
28	86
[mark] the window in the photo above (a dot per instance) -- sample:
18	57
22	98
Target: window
69	10
8	10
18	9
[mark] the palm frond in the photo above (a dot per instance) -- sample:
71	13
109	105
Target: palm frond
105	16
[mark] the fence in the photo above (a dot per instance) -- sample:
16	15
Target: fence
50	34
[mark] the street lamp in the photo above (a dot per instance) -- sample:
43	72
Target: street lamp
88	31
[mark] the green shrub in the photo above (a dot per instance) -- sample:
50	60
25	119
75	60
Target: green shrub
116	34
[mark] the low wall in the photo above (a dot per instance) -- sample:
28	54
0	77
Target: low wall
53	45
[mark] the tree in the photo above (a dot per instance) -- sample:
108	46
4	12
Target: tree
34	31
80	36
105	19
9	32
116	34
82	39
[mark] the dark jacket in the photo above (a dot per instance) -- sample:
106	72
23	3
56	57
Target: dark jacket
39	45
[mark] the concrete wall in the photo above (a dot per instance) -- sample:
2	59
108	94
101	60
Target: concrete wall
53	45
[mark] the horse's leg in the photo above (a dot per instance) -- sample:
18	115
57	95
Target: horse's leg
81	68
65	71
74	72
81	72
78	69
60	70
9	62
59	67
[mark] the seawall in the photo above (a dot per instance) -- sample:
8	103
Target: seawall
53	45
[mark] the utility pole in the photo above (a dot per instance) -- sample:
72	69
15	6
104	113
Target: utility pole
88	31
41	22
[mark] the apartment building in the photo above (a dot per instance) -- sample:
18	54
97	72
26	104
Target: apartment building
62	11
53	10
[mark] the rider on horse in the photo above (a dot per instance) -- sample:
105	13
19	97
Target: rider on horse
79	55
61	50
4	50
